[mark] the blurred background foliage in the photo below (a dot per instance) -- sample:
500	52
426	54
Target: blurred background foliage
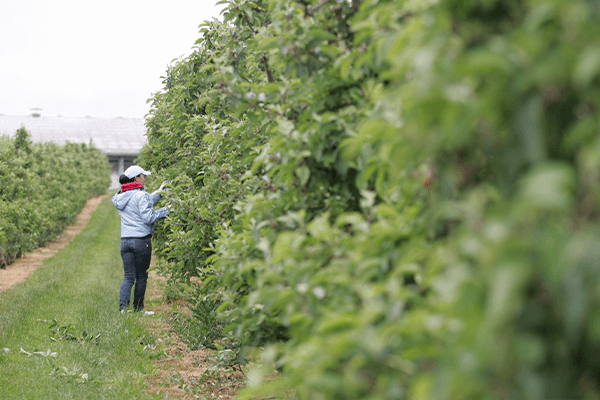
43	186
392	199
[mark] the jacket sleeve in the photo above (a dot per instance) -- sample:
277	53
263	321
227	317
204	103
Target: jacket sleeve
155	197
147	212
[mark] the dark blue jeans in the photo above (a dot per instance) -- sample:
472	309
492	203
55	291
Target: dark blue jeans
136	255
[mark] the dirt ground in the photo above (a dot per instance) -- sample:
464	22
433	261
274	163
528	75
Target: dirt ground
18	271
181	373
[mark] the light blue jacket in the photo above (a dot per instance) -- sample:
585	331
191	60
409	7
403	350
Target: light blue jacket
138	215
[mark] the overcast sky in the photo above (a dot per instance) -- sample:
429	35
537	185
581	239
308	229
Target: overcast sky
80	58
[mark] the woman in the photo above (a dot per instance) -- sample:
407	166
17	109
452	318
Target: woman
136	207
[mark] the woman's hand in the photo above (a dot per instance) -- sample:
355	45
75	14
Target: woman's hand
162	187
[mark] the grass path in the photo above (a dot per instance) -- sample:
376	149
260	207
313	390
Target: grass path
18	271
61	336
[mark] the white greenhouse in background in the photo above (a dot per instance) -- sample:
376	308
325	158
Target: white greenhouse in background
121	139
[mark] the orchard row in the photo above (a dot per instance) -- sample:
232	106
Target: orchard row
392	199
43	186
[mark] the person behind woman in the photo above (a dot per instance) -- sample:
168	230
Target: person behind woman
136	208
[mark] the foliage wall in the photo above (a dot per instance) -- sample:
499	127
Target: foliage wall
394	199
43	186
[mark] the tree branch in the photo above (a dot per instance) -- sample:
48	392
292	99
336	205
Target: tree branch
319	5
270	77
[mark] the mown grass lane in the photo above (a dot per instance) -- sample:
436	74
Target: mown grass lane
61	336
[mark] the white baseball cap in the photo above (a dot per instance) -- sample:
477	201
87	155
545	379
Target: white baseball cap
134	171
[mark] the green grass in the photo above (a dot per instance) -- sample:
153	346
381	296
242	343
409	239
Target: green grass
78	288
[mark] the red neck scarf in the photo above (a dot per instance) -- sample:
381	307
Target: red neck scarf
130	186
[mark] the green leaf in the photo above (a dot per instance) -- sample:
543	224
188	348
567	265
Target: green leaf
528	127
303	173
549	187
588	67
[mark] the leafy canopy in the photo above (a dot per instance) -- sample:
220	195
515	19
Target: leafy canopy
394	199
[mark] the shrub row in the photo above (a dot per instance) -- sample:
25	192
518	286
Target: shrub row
43	186
394	199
